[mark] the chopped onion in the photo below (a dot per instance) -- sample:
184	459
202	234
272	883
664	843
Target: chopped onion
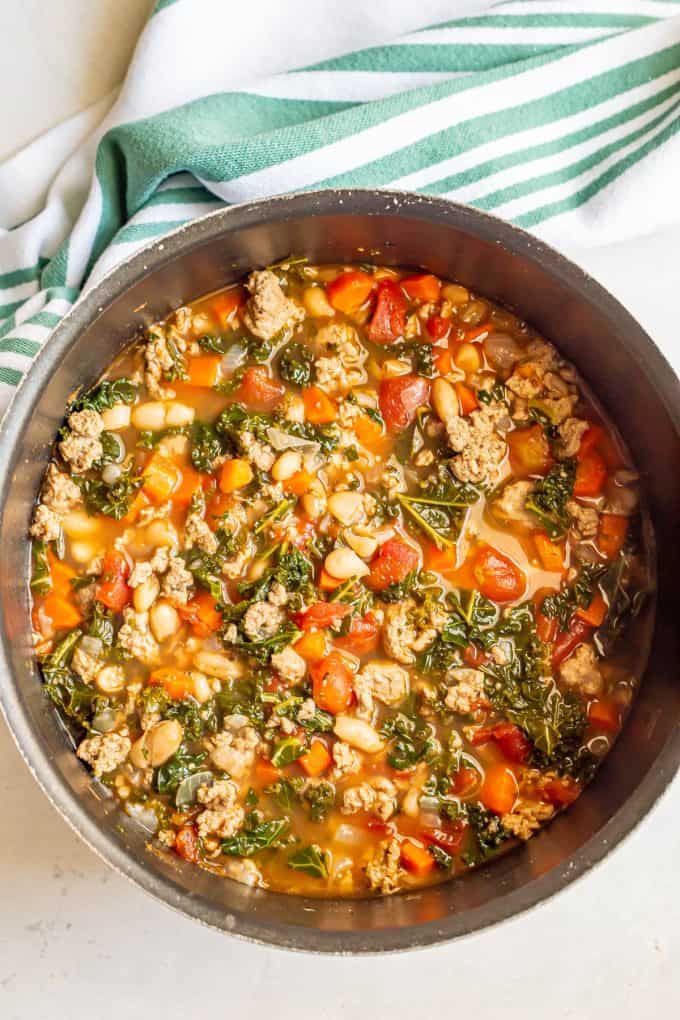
187	789
105	721
91	646
111	473
281	440
233	358
348	835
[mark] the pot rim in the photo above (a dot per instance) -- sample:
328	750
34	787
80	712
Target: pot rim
86	309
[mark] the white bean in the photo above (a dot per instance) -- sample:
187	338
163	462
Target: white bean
200	687
157	745
313	505
216	664
444	399
346	507
344	563
286	465
78	524
117	417
362	545
149	416
146	594
358	733
393	367
83	552
177	415
316	302
161	533
164	620
110	679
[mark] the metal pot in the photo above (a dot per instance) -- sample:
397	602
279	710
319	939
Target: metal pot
632	379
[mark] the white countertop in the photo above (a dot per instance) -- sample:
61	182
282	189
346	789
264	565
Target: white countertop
76	940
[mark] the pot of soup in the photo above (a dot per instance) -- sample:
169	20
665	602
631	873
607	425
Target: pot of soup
332	612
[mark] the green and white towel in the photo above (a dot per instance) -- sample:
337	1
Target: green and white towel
560	116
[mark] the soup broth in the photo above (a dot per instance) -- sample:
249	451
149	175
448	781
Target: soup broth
327	573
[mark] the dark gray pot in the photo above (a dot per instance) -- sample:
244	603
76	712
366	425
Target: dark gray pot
637	387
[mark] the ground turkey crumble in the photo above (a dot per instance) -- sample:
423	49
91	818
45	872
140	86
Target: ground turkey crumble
82	447
340	365
234	749
526	817
136	638
104	752
262	620
383	870
379	797
268	310
346	760
59	495
477	444
222	815
466	691
290	666
581	670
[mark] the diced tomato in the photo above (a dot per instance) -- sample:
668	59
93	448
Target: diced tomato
416	859
570	639
560	792
186	844
443	561
382	829
603	714
464	781
474	656
388	321
438	327
322	614
112	589
529	451
510	738
362	637
400	399
332	684
611	534
449	839
201	614
591	474
422	287
597	438
499	789
466	397
349	291
391	563
176	684
497	577
258	390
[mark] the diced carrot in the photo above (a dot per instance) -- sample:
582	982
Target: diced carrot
422	287
442	561
468	358
466	396
176	684
204	370
161	478
138	504
62	612
298	484
477	331
367	430
604	715
201	614
596	613
416	859
190	483
529	451
591	473
551	554
61	575
235	474
443	361
348	292
611	534
311	646
326	582
438	327
266	773
225	304
316	760
319	409
499	789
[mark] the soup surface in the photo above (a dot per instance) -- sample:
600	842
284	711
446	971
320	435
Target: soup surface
326	575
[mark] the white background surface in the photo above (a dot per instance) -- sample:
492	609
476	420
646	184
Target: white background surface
78	941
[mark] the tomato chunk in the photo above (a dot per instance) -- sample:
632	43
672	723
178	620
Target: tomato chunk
332	684
362	637
400	399
591	474
349	291
529	451
512	741
113	590
258	390
186	844
389	315
391	563
438	327
448	839
570	639
322	614
497	577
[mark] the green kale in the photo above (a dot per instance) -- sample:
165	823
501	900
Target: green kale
214	344
488	832
243	696
327	436
296	364
105	395
237	419
206	446
255	835
549	499
310	859
443	860
287	751
111	449
411	740
321	799
76	700
41	581
100	624
439	509
196	720
399	590
111	500
176	769
286	792
148	439
577	595
421	356
292	570
206	569
497	394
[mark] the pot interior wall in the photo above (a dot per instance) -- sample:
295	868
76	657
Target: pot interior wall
637	390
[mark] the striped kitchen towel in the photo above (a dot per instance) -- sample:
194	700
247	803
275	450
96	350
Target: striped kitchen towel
560	116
